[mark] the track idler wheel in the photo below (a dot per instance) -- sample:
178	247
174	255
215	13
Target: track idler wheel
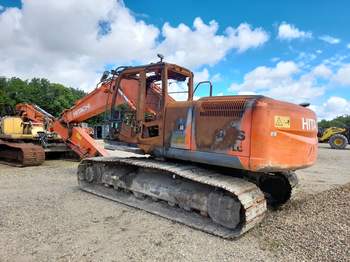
278	187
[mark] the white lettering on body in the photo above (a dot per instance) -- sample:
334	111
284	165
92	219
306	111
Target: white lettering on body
308	124
81	110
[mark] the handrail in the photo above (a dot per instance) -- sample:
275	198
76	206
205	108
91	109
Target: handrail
205	82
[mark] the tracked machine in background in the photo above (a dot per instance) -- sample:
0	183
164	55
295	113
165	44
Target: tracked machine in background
213	164
27	137
22	136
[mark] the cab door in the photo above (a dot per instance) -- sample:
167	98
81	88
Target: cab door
150	112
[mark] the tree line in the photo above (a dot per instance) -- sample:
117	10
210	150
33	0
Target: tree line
52	97
340	121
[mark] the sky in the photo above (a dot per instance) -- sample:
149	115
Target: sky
297	51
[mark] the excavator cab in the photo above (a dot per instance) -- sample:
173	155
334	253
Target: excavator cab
150	88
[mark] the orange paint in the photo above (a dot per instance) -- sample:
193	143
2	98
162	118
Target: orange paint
263	134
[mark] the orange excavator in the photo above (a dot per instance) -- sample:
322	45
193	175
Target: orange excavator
213	164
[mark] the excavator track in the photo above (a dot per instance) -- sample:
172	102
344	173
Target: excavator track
203	199
21	154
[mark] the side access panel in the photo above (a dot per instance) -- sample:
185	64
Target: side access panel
222	125
210	130
178	125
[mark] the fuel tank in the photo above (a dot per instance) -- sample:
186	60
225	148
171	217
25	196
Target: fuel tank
253	133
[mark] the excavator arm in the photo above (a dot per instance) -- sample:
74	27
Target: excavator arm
109	94
76	137
33	113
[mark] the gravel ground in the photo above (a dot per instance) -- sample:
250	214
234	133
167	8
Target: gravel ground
316	228
331	170
45	217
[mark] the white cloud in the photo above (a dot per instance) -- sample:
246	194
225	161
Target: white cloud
336	60
333	107
305	58
330	39
62	40
322	71
202	45
342	76
288	32
204	75
200	76
244	37
283	82
59	40
348	45
319	51
289	82
263	77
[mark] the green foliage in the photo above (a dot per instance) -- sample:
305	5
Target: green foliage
52	97
96	120
340	121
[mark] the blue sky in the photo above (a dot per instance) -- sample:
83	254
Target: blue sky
319	17
291	50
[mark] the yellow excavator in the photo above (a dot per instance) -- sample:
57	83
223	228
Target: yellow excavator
337	137
25	137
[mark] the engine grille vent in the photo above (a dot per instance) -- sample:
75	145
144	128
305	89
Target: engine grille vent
233	109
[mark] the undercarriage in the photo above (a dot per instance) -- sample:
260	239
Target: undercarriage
21	154
205	199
